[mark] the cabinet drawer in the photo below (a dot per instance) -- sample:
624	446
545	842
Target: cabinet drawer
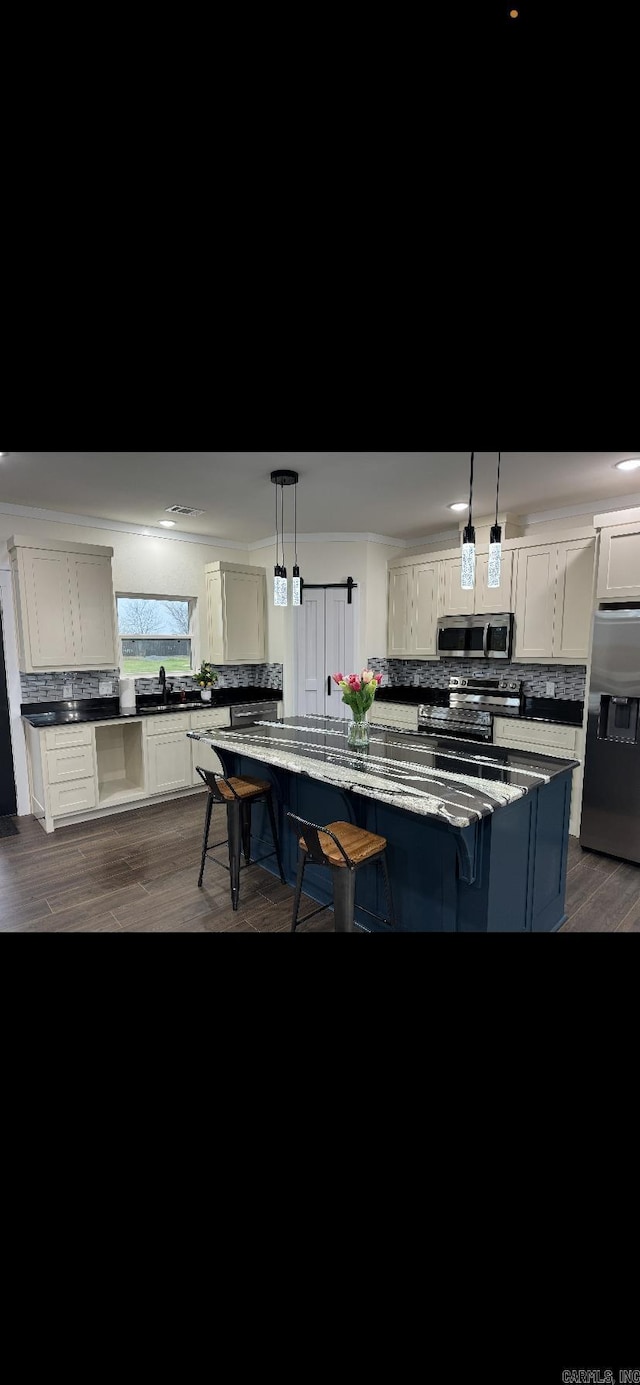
169	724
216	716
74	762
62	736
72	798
390	714
530	735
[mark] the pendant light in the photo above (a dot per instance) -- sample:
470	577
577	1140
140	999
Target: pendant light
296	585
280	588
280	584
495	543
469	542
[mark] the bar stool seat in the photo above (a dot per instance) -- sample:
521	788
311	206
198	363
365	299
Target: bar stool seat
237	794
344	849
359	845
243	788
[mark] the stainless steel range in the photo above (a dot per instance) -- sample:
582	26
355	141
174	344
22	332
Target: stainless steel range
473	703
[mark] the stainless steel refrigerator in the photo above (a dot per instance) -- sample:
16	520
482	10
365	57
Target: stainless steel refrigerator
611	805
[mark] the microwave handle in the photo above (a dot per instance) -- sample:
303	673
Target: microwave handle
485	640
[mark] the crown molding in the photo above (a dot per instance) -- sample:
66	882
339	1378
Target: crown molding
591	507
119	527
385	539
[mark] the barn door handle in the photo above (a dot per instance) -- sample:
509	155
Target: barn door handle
329	686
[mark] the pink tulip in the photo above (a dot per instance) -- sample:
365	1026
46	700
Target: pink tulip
338	678
367	676
355	684
378	678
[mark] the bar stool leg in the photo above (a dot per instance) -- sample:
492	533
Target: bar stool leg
302	861
246	832
276	839
207	825
387	886
344	899
235	847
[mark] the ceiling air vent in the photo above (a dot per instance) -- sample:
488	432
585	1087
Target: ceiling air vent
185	511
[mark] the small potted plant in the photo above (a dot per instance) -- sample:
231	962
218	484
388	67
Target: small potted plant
206	678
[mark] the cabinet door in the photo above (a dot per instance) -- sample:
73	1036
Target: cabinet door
535	602
574	601
243	613
494	600
92	606
169	764
455	602
424	619
619	569
46	595
204	756
400	591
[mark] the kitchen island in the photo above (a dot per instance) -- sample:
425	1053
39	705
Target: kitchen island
477	835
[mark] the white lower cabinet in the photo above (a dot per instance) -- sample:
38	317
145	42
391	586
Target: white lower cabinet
168	762
560	742
81	769
394	714
78	797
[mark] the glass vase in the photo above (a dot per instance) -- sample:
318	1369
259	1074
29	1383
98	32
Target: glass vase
358	735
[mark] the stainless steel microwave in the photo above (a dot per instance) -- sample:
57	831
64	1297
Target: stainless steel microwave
475	637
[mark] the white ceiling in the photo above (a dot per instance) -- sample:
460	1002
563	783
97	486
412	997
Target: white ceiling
402	494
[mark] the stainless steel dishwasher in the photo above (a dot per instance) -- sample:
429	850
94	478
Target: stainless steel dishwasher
247	713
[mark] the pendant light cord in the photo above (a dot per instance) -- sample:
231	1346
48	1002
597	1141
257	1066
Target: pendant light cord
473	458
283	554
498	490
295	519
277	536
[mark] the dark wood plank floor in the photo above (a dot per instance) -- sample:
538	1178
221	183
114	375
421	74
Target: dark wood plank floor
137	873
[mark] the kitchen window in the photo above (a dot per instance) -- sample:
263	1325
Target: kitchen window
153	631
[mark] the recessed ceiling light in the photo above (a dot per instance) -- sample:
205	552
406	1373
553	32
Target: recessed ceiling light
632	465
459	505
167	524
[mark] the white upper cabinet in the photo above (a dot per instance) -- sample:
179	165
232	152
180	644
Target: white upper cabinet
619	570
65	608
455	601
494	600
574	603
554	602
536	602
236	613
400	588
414	597
484	600
424	620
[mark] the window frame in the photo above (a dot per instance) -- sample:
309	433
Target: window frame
192	602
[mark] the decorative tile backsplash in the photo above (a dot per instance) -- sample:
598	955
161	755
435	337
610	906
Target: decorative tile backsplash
49	687
570	679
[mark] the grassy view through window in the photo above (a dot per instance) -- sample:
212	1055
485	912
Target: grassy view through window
154	632
148	668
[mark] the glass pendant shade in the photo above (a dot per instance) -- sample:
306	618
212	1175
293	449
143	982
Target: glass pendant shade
495	557
280	587
296	587
469	559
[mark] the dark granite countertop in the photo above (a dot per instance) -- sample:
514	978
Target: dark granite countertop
433	777
90	709
555	711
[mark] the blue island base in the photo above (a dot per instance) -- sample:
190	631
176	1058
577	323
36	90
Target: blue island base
505	874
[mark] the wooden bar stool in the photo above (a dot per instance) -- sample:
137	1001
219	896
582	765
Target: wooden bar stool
238	796
344	849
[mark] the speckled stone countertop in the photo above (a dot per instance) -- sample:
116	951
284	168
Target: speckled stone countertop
453	781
